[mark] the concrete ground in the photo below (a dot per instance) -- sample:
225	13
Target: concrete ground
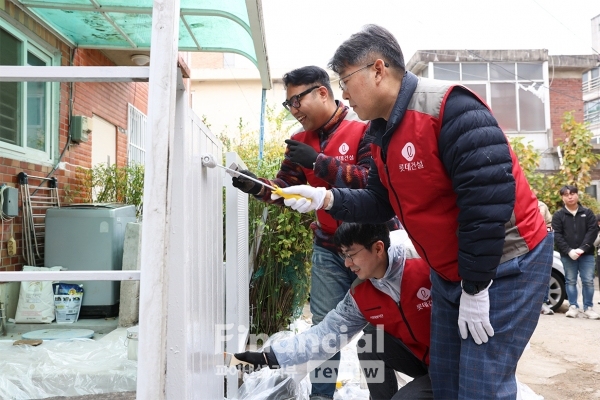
561	363
563	360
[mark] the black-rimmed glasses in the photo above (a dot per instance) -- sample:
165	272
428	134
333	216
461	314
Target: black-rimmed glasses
294	101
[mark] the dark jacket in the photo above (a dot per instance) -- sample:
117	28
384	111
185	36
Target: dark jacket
577	231
444	166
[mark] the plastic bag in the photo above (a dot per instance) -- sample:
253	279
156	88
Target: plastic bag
67	302
276	384
271	384
36	301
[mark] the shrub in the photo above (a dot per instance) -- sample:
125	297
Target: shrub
577	162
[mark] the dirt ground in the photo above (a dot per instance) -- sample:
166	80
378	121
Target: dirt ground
563	360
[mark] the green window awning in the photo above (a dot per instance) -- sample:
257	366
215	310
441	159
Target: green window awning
230	26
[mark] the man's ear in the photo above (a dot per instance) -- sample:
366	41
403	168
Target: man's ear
380	69
379	246
323	93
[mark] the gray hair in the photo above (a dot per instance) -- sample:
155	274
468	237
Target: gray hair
371	40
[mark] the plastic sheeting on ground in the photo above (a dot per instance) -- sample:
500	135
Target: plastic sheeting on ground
65	368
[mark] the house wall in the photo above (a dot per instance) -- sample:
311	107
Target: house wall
106	100
565	96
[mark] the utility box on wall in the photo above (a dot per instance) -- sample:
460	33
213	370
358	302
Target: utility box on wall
81	127
10	201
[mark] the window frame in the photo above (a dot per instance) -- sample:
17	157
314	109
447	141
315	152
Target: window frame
516	80
51	107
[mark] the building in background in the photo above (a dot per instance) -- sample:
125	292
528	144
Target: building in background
35	119
591	86
528	90
226	92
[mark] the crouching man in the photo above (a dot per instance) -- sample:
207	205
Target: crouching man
392	294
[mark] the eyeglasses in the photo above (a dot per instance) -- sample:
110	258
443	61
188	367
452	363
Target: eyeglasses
294	101
348	256
342	84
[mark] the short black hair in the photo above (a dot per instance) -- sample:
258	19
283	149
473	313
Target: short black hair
362	46
598	217
307	76
349	233
569	188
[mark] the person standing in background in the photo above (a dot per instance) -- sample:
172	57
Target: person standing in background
575	230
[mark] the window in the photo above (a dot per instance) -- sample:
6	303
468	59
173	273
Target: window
136	132
515	91
26	110
446	71
591	112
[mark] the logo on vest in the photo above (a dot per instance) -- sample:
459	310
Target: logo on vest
344	148
408	151
424	294
379	316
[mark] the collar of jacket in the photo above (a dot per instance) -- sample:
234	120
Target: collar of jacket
333	122
383	129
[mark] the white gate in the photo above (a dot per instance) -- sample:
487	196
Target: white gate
196	279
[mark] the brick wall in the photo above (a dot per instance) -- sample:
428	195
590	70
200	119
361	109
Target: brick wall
565	96
106	100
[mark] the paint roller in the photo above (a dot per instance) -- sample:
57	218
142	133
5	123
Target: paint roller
209	161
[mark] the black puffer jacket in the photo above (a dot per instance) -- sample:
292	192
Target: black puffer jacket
485	196
577	231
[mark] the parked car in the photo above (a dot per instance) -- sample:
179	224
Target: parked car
557	293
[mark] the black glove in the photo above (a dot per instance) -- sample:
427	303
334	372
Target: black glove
258	360
301	153
246	185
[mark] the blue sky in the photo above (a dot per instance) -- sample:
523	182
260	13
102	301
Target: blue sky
304	32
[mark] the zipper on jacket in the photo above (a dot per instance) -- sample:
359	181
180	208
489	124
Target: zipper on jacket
412	334
402	216
406	323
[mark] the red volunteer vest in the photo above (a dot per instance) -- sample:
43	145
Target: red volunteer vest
421	194
408	320
343	145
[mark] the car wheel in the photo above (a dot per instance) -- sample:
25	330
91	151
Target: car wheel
557	293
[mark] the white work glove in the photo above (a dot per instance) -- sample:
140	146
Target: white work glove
474	313
574	254
312	197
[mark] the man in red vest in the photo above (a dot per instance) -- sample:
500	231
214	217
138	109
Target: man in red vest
445	168
392	292
330	150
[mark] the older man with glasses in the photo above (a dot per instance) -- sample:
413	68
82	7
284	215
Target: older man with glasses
443	165
331	149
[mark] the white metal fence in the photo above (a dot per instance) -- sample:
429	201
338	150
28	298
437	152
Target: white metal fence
196	279
237	273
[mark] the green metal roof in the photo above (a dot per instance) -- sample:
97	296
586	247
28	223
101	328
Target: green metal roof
233	26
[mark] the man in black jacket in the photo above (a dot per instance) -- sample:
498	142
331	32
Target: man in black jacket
575	230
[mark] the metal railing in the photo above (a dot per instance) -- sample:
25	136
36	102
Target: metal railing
591	85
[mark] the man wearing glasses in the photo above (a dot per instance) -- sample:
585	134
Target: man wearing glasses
330	150
392	292
445	168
